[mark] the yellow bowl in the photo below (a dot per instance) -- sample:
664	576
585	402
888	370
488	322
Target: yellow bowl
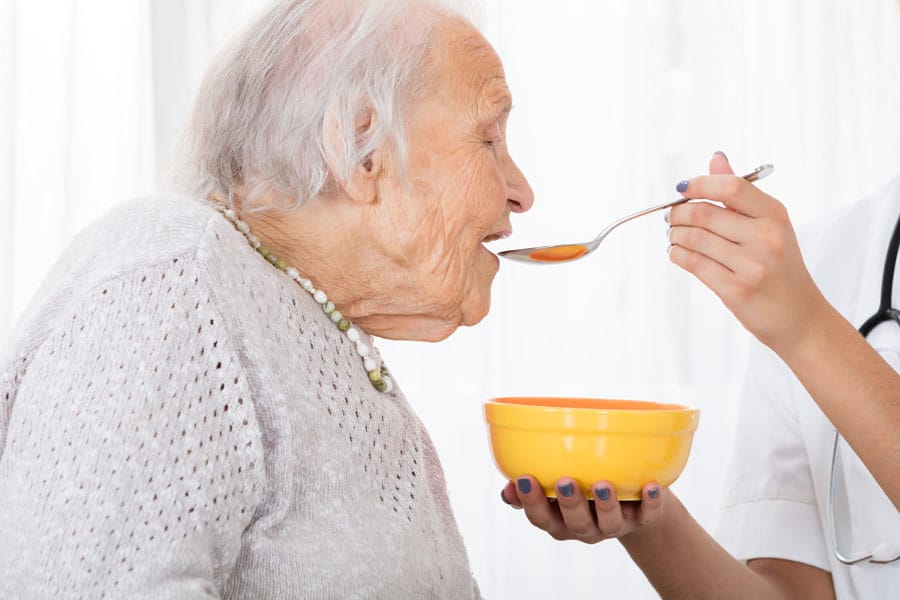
625	442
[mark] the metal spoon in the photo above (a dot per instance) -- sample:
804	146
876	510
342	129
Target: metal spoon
558	253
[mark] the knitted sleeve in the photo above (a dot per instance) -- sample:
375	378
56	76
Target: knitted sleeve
133	460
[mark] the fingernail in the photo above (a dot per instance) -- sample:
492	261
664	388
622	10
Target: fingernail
720	153
602	493
503	497
666	216
567	490
682	186
669	231
653	493
524	485
669	249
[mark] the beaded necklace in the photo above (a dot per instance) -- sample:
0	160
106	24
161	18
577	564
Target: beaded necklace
378	373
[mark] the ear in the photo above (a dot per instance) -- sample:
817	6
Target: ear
360	184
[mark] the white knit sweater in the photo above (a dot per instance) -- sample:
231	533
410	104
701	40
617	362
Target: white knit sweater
179	419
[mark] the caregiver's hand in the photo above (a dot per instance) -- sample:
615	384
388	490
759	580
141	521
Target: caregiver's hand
746	252
572	517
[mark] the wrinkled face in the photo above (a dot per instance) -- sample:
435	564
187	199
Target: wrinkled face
460	184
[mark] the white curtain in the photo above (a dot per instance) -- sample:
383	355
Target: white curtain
615	102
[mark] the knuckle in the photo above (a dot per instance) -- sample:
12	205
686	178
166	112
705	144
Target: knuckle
691	261
558	536
703	215
775	245
754	276
618	531
607	508
737	295
537	521
780	210
694	237
650	517
675	234
733	186
582	530
612	525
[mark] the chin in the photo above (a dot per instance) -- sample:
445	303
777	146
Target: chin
478	308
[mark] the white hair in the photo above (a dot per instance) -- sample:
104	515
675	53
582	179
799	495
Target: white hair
258	122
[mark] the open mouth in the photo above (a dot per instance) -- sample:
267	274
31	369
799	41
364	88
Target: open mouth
500	235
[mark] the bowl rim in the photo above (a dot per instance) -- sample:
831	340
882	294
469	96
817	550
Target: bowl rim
671	419
534	402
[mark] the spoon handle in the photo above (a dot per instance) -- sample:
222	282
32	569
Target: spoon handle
754	175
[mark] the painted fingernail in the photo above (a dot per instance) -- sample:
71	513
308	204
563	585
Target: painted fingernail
653	493
567	490
524	485
602	493
682	186
720	153
669	249
666	216
503	497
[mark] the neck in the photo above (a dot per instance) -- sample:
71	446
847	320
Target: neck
329	241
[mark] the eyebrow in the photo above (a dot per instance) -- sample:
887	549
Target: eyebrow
498	104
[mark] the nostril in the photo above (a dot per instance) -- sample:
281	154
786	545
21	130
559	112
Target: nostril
521	203
525	198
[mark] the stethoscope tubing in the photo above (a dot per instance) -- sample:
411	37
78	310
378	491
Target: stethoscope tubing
885	313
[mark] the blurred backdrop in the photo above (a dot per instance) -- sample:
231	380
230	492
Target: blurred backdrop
616	101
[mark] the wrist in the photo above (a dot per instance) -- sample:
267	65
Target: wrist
821	326
799	322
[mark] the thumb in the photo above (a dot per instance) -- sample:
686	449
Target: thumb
719	165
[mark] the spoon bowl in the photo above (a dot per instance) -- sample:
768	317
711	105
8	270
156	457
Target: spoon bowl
558	253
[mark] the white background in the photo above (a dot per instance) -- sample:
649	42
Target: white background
616	101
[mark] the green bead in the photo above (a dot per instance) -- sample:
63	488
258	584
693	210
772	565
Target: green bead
344	325
380	385
328	307
272	258
375	376
281	264
264	251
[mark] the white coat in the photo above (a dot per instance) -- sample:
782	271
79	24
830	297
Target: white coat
777	490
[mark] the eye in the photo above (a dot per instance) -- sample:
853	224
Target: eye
493	137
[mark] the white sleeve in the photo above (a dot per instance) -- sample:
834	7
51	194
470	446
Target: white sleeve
770	508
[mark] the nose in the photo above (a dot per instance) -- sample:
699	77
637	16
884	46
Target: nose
521	196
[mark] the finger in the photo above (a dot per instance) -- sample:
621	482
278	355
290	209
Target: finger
652	498
734	192
719	165
610	520
712	274
725	252
508	495
726	223
540	512
575	510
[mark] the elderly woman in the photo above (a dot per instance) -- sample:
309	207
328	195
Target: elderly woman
193	405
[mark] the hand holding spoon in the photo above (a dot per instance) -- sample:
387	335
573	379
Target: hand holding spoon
566	252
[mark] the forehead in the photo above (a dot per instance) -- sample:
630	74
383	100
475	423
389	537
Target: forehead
469	69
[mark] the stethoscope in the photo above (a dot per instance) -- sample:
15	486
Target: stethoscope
885	552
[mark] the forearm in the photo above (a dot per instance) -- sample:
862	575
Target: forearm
682	561
857	390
